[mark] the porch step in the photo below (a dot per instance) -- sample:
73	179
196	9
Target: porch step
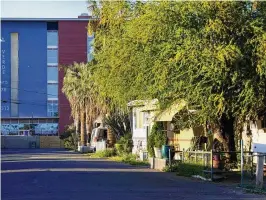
217	177
214	171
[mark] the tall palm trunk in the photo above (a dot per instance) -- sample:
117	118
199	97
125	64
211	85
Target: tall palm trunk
88	121
83	141
76	120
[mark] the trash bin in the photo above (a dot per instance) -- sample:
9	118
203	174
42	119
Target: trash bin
216	161
165	151
32	145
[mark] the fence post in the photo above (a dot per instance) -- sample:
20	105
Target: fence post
183	154
203	156
195	157
211	164
170	163
242	162
252	161
259	171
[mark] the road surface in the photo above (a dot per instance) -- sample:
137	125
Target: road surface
61	175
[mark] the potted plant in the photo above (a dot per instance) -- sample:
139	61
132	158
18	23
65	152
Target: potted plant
156	140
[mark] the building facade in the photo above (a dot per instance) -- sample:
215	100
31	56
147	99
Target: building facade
34	53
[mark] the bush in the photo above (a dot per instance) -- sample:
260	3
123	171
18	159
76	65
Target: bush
186	169
104	154
157	138
70	138
172	168
130	159
124	145
118	122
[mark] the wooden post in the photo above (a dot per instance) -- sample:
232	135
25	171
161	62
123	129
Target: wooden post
183	154
242	163
252	163
170	163
203	156
259	171
211	165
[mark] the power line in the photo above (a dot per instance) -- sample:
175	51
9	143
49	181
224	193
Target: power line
32	91
28	103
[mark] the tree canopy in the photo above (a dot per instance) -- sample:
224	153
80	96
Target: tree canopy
211	54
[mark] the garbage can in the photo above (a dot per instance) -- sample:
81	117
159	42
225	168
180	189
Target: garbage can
32	145
165	151
216	161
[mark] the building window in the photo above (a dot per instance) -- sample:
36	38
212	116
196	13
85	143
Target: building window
52	74
52	108
138	118
39	128
90	39
52	91
52	39
52	56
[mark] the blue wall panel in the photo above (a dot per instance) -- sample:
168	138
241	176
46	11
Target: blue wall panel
5	73
32	66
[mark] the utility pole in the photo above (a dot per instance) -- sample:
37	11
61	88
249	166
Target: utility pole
259	170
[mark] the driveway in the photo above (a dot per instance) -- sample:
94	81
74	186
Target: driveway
61	175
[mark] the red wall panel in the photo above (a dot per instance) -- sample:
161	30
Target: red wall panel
72	48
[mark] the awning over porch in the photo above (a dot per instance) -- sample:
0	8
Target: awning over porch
169	113
145	105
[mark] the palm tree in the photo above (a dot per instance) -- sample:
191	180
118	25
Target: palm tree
70	88
83	96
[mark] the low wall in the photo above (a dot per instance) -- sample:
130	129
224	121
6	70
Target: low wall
157	163
25	142
51	142
19	142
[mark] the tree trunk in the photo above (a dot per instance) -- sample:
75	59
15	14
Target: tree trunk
87	122
77	123
110	137
83	141
227	131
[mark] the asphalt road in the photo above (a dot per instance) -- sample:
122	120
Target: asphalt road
61	175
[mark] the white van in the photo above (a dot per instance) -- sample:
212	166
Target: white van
98	134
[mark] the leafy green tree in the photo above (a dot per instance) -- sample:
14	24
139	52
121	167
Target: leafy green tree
210	54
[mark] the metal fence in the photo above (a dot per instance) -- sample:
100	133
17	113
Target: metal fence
216	165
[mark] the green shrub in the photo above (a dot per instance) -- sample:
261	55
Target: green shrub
157	138
253	189
104	154
70	138
186	169
129	159
124	145
172	168
189	169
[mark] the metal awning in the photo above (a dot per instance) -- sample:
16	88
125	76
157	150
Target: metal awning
144	105
168	114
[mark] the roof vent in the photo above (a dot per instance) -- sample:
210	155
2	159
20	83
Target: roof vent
84	15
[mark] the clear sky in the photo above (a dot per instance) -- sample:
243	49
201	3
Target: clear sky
43	8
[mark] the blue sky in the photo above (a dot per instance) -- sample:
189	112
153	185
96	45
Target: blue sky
43	9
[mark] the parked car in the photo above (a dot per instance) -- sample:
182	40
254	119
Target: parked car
98	134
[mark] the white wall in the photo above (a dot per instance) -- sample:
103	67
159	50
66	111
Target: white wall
256	137
139	135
